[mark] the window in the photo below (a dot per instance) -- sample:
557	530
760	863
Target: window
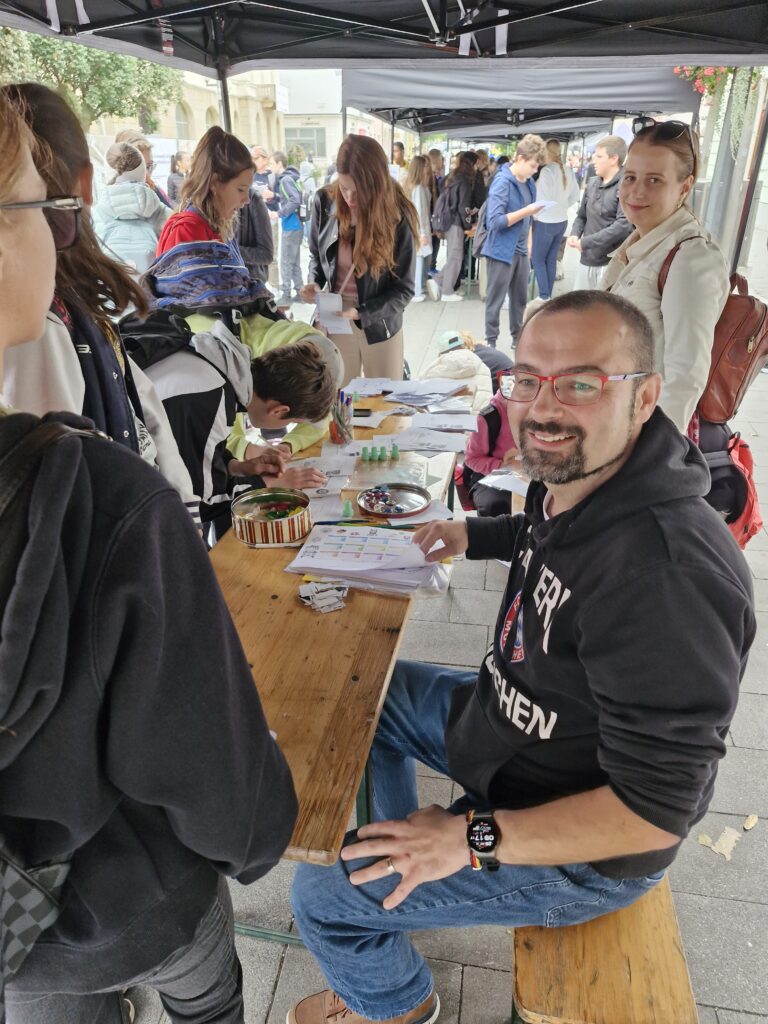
183	121
311	140
211	117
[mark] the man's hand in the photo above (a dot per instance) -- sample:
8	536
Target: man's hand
259	461
309	292
296	477
351	314
268	194
430	844
512	457
453	535
574	242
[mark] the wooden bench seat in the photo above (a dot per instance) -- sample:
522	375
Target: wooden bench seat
624	968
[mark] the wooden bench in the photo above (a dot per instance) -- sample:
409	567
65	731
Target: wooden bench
625	968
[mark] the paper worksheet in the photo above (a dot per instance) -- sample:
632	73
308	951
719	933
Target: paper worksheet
367	387
337	468
457	405
451	421
546	203
329	306
421	439
506	480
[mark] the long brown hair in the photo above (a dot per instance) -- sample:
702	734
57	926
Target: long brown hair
555	156
85	276
381	205
419	173
218	154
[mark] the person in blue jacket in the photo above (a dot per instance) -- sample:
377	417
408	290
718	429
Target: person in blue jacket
508	216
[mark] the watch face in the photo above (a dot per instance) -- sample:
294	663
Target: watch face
482	836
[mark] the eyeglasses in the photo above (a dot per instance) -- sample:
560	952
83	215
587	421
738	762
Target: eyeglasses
666	131
62	214
569	388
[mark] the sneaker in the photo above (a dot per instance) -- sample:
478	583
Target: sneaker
327	1008
418	298
453	297
433	289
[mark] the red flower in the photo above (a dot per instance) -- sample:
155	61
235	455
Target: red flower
676	70
709	71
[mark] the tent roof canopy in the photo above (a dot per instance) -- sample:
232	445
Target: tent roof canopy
501	124
503	90
222	36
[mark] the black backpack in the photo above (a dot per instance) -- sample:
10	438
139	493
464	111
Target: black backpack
446	208
29	895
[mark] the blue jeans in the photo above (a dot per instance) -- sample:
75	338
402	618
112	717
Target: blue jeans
546	242
363	950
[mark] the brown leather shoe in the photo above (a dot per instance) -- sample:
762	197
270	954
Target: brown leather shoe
327	1008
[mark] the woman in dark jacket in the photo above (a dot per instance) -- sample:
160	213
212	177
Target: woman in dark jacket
461	184
362	246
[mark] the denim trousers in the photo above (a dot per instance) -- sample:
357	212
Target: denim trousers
201	983
290	261
363	950
546	243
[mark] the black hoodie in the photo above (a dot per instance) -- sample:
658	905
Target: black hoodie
618	651
131	733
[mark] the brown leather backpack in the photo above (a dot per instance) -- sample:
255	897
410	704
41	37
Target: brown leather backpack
739	347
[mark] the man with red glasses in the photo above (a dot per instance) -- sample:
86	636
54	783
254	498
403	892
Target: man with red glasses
587	744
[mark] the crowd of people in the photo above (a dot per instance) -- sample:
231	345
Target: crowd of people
134	754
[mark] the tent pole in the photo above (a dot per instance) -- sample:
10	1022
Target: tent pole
221	67
224	108
754	174
392	120
344	121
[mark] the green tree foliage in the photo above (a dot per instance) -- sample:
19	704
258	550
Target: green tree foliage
96	83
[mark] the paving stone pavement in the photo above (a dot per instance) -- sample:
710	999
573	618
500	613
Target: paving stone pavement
722	905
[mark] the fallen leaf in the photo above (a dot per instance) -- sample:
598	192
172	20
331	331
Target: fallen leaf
750	822
724	845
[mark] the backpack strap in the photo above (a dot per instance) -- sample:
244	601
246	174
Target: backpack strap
664	272
492	418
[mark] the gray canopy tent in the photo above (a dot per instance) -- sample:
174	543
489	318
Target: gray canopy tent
223	37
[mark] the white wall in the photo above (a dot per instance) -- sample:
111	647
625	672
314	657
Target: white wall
313	92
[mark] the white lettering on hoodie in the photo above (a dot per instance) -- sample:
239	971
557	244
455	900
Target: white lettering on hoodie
521	712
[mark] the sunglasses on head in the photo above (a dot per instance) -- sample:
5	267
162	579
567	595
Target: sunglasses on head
666	131
62	214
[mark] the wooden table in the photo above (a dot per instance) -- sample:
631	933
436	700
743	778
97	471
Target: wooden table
322	679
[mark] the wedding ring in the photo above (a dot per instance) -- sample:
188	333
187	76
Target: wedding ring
390	866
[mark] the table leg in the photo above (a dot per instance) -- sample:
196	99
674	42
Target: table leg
451	492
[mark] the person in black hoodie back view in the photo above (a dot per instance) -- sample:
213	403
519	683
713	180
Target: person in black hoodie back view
587	744
132	739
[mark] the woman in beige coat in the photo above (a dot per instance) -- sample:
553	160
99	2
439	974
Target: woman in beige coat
659	173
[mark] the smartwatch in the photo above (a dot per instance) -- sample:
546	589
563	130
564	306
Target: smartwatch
483	838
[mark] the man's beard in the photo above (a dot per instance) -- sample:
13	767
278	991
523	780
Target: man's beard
561	467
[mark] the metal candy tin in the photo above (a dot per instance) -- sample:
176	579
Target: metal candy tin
394	501
253	522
